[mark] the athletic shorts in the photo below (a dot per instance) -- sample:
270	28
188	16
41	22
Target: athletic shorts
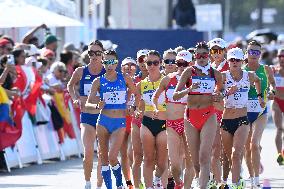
232	125
154	125
111	124
90	119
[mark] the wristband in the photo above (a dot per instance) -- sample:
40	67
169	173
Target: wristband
259	95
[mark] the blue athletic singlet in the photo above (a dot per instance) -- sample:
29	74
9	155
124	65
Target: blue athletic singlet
87	80
113	93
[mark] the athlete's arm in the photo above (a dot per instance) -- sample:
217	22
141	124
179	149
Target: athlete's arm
75	78
271	79
219	81
162	87
179	91
91	101
139	103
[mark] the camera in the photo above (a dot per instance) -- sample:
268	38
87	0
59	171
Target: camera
10	59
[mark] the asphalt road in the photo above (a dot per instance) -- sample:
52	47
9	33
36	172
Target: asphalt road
69	174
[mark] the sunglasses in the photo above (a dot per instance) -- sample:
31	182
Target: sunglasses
61	70
110	62
199	56
97	53
216	51
169	61
280	56
254	52
182	64
141	59
150	63
235	60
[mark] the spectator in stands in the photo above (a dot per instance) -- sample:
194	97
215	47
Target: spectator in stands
184	14
32	50
51	42
29	38
5	46
19	56
56	77
68	59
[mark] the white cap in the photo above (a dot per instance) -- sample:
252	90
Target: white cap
280	38
184	55
236	53
30	61
32	50
142	52
128	60
217	42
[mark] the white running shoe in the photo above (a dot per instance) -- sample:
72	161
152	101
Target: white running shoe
88	186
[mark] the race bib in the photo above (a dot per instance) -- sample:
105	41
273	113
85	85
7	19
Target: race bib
87	89
239	98
147	97
116	97
254	106
279	81
207	85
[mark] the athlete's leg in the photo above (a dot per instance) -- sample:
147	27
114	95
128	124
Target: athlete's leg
125	164
161	155
278	121
258	128
175	145
137	155
207	136
248	154
189	170
148	146
216	156
240	139
88	135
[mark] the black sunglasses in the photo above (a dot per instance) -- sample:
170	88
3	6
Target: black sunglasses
150	63
182	64
235	60
97	53
169	61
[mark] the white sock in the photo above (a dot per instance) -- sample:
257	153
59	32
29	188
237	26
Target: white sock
88	182
157	178
256	180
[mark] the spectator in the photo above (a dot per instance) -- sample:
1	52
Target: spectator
29	38
32	50
5	46
19	56
184	14
68	59
50	42
85	57
56	77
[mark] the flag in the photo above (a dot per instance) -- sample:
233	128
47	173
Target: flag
9	132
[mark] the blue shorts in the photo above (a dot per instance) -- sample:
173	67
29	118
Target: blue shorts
90	119
252	116
111	124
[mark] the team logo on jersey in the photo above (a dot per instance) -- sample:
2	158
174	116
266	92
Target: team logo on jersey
87	77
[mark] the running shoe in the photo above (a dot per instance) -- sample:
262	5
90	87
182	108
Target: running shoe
280	159
223	186
250	182
212	185
256	183
242	184
88	186
195	183
233	186
158	184
179	186
141	186
171	183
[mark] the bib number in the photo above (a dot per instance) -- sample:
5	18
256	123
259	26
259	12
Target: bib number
87	89
254	106
239	99
279	81
116	97
206	86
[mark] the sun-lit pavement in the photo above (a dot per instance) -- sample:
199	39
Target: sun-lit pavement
68	174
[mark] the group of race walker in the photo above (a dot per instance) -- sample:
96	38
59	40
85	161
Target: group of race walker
191	116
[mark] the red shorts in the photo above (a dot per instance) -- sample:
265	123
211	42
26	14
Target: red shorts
137	122
177	125
128	124
198	117
219	115
280	103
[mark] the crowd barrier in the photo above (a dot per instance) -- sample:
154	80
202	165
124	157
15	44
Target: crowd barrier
41	142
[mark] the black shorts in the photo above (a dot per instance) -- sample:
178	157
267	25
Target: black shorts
154	125
232	125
